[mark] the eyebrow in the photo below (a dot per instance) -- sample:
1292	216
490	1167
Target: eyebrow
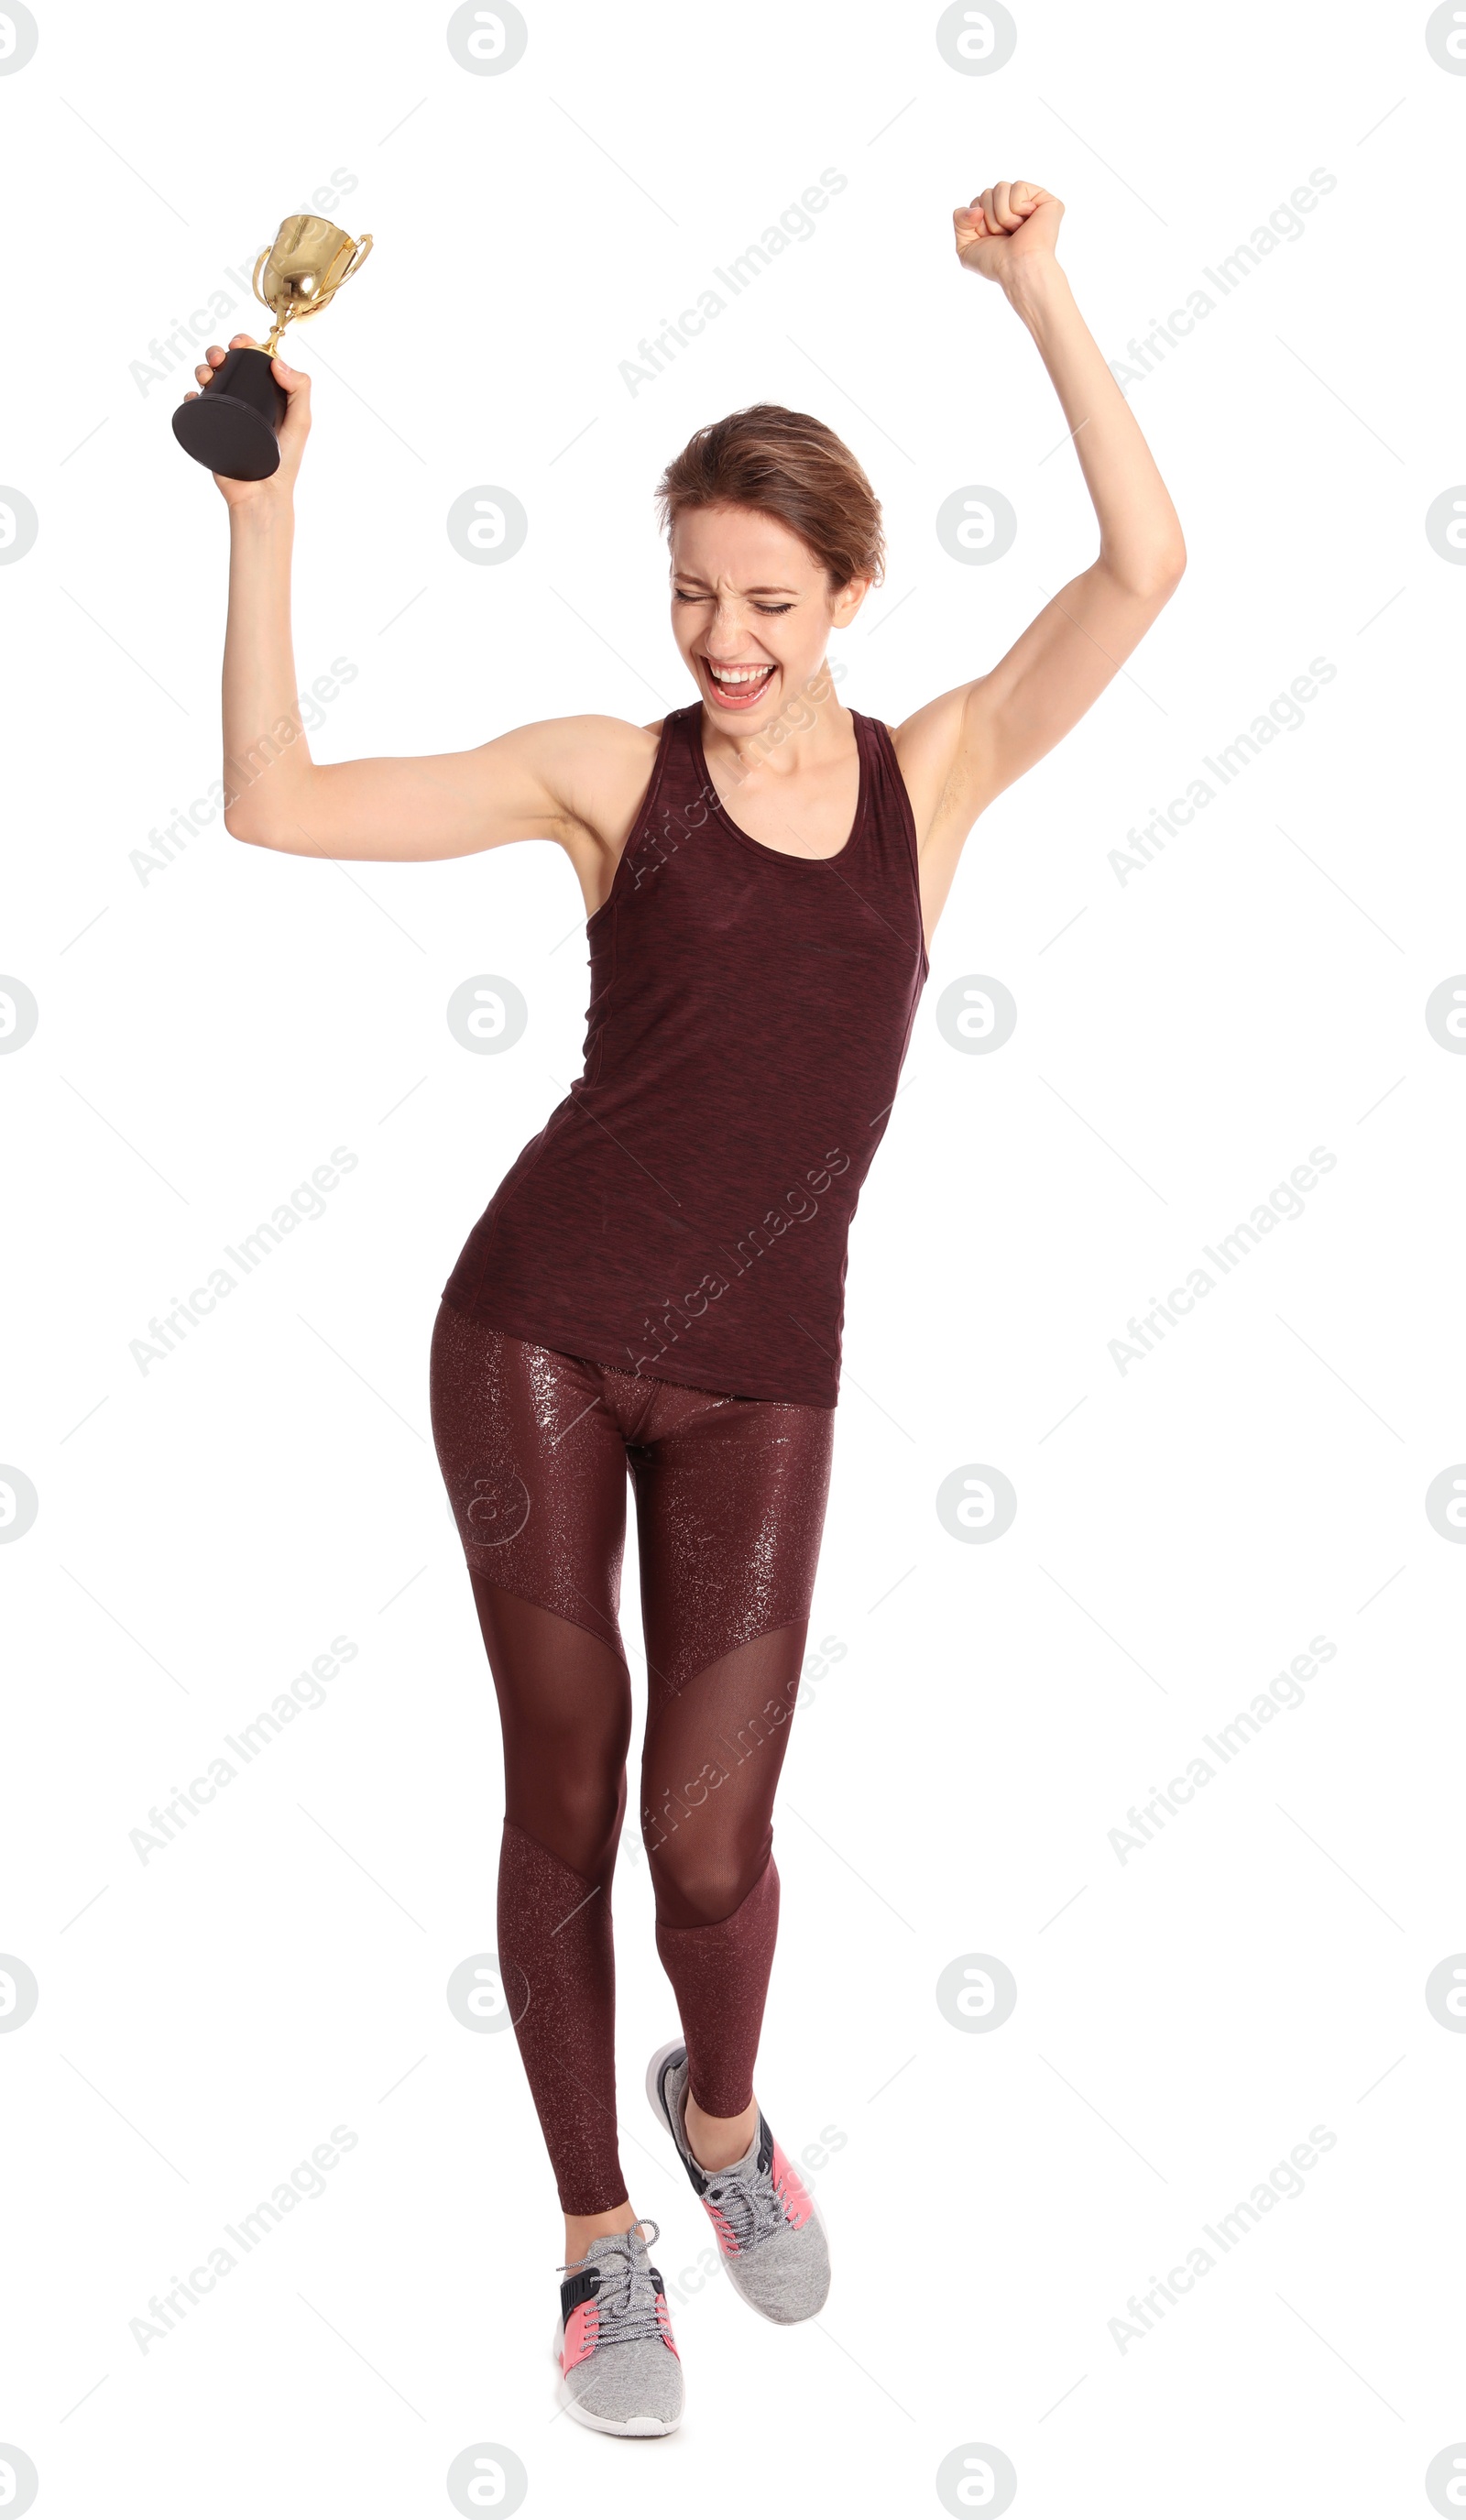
692	579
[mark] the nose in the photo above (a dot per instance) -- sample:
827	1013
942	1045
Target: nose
727	637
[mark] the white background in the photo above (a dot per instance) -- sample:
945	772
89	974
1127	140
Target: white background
209	1035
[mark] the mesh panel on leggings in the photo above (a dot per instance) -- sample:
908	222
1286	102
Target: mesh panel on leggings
565	1708
710	1764
535	1449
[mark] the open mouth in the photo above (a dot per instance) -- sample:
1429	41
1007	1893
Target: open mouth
737	687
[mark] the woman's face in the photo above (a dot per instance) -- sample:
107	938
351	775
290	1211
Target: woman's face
751	612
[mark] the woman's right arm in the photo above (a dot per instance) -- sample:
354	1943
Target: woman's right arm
574	780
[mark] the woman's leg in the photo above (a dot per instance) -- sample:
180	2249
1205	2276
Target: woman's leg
536	1472
731	1498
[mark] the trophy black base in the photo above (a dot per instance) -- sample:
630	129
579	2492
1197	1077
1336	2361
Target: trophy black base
231	424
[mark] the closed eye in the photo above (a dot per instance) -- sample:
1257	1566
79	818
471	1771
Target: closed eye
679	595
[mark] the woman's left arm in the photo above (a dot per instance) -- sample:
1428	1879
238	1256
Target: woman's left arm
962	749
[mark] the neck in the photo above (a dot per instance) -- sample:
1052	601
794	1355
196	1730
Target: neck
811	726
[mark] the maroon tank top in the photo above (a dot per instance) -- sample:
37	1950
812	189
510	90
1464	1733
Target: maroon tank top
685	1212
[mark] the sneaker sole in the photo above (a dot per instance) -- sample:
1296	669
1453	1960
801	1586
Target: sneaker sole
654	2074
631	2427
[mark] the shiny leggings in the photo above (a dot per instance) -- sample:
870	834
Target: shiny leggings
535	1447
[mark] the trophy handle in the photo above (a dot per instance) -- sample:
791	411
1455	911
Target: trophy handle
254	281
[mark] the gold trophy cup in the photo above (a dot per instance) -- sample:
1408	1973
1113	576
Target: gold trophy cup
231	425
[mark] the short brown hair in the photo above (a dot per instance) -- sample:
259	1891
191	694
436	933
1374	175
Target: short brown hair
790	467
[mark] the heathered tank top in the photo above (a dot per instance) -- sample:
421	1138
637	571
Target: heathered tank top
685	1212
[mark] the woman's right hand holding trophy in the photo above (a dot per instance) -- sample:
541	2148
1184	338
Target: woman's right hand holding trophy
292	434
251	419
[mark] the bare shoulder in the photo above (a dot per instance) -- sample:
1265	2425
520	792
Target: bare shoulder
587	739
930	748
613	762
593	770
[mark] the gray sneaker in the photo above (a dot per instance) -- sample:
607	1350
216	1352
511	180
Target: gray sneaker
770	2231
620	2371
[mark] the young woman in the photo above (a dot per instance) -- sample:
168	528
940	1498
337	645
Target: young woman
657	1284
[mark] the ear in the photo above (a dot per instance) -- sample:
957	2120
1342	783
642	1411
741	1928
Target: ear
846	605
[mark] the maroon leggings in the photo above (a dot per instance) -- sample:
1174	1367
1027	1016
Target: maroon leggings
535	1447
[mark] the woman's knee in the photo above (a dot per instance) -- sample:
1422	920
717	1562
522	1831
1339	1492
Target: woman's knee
576	1817
699	1879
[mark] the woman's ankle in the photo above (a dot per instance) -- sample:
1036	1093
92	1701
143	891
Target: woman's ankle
718	2143
582	2229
